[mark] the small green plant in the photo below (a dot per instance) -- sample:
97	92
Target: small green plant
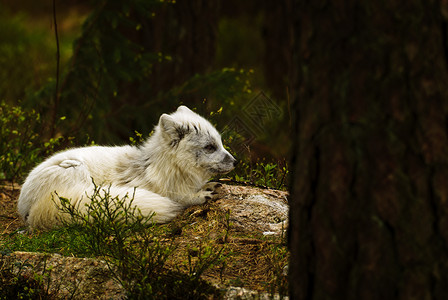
135	249
262	174
138	139
277	259
20	146
65	241
116	230
15	283
202	257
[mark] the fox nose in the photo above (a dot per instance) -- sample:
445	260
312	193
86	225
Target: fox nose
230	159
235	162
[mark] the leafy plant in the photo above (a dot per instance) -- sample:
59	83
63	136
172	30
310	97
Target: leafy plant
262	174
277	259
135	248
21	147
15	283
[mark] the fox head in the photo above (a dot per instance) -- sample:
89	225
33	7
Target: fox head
194	142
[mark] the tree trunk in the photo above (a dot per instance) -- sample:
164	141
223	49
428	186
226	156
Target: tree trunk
369	211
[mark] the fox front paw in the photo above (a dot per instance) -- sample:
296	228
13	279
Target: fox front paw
209	191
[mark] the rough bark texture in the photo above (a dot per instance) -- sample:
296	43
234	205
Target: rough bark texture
369	211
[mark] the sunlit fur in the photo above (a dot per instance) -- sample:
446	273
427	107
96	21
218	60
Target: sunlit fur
167	172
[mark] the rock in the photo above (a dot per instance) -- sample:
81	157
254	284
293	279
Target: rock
255	210
83	278
245	294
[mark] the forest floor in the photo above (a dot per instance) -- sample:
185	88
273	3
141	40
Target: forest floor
253	237
9	218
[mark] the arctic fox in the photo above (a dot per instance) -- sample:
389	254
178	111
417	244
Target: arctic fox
165	174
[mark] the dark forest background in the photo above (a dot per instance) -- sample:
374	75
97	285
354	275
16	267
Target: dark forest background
124	63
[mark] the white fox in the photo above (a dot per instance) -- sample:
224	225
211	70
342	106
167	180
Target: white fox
166	174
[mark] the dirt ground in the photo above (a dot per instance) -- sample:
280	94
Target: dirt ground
9	218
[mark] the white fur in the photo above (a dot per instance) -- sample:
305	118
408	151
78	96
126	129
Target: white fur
167	172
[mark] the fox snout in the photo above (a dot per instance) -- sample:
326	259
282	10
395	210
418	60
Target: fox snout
228	163
229	159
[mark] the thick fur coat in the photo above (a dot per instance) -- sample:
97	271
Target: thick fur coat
166	174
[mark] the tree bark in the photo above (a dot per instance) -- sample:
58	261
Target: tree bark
369	211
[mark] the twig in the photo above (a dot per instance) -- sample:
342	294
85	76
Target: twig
56	90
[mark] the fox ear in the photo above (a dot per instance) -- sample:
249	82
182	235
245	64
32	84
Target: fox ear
183	108
167	122
171	129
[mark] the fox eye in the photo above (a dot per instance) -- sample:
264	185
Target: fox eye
210	148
